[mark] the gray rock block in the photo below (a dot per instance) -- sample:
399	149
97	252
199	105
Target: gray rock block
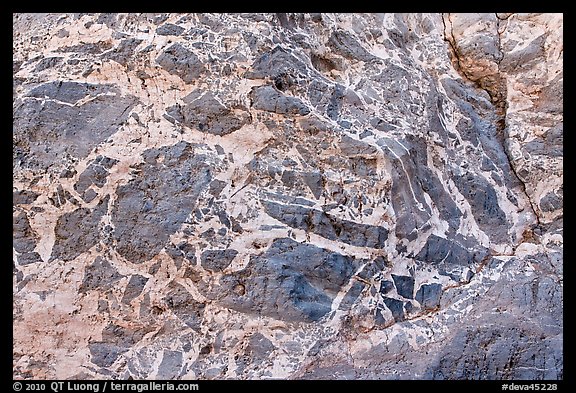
124	52
448	252
69	92
551	202
24	197
268	99
428	295
207	114
95	174
483	200
276	62
46	131
185	307
99	276
182	62
291	281
104	354
404	286
169	368
346	45
48	62
396	307
322	224
386	286
23	236
169	29
158	200
217	260
134	288
78	231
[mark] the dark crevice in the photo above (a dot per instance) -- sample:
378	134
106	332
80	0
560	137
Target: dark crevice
495	86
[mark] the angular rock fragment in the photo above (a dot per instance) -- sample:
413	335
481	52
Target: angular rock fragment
204	112
269	99
78	231
158	200
182	62
291	281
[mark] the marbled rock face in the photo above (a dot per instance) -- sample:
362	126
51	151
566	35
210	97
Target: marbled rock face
310	196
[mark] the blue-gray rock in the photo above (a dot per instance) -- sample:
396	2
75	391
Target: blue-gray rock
428	295
267	98
346	45
217	260
123	53
386	286
448	252
182	62
99	276
485	205
169	29
47	63
134	288
24	238
396	307
78	231
351	296
47	130
291	281
24	197
170	365
104	354
276	62
322	224
551	201
185	307
204	112
260	347
404	286
90	48
158	200
95	174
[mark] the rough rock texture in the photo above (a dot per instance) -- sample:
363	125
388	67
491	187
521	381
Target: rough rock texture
319	196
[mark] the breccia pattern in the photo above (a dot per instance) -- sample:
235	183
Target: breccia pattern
288	196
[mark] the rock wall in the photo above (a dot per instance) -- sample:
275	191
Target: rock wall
316	196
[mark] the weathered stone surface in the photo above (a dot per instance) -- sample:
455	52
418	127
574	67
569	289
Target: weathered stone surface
291	281
95	174
205	113
103	354
169	29
24	197
396	307
170	366
217	260
78	231
122	53
267	98
404	286
24	239
428	295
134	288
327	226
158	200
48	129
99	276
287	196
185	307
182	62
439	250
346	45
